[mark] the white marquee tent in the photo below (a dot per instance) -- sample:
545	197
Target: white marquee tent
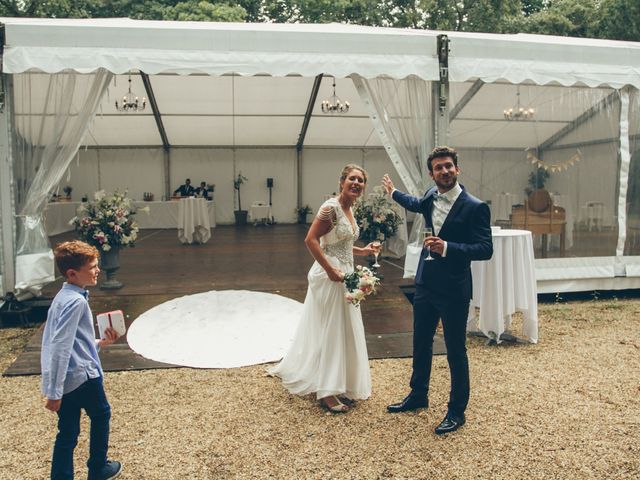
229	98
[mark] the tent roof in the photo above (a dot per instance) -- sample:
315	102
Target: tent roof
273	65
154	47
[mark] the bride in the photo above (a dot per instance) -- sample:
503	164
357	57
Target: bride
328	355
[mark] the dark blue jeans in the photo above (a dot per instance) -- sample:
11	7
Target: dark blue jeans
89	396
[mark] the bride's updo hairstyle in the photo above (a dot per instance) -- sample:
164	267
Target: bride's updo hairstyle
347	169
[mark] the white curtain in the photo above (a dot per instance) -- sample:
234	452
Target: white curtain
401	111
52	114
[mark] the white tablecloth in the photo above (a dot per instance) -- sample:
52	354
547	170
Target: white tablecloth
57	216
193	221
501	205
504	285
161	215
260	212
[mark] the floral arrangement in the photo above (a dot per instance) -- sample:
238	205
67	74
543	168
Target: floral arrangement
107	221
303	210
377	217
361	283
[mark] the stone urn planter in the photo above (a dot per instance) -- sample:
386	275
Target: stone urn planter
110	263
241	217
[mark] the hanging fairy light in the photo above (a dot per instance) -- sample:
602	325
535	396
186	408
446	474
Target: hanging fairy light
334	104
131	102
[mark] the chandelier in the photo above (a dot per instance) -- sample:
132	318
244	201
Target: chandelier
518	112
130	102
333	104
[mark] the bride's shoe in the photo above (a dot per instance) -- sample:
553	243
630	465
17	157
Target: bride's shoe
339	407
346	400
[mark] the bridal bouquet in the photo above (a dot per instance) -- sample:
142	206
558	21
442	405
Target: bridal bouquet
360	283
107	221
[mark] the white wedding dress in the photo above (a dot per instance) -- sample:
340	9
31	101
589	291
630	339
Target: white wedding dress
328	355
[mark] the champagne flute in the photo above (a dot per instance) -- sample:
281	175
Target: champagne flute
427	232
377	245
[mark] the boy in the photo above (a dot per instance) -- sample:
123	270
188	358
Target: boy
71	369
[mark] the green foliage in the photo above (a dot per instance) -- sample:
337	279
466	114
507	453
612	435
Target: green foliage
566	18
306	210
619	20
191	10
195	11
615	19
537	179
239	180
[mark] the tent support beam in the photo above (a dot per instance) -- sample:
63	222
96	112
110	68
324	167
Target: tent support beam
303	133
156	112
589	143
307	114
7	205
442	113
590	113
466	98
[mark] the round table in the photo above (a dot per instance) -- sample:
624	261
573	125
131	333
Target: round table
504	285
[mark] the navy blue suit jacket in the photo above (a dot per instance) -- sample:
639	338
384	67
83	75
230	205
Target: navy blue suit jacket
467	232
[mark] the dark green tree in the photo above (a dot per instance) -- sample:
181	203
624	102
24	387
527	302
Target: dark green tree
575	18
619	20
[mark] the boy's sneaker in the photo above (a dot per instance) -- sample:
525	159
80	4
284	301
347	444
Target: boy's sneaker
112	469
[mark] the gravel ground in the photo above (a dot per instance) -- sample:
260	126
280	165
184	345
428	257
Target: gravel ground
566	408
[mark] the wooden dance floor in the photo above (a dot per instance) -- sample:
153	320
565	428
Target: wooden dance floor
266	259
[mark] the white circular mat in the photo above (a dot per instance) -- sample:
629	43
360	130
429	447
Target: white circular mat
217	329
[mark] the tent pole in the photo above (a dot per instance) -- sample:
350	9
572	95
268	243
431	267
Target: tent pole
625	164
303	133
7	204
442	120
166	156
299	176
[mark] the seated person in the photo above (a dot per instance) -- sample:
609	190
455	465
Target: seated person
185	190
203	191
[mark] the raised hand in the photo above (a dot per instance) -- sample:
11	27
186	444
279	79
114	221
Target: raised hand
387	184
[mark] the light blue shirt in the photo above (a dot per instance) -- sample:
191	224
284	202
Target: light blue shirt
69	350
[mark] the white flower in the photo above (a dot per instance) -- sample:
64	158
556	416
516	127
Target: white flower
99	195
106	247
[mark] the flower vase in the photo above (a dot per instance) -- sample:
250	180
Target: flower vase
109	262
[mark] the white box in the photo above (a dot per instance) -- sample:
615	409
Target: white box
113	319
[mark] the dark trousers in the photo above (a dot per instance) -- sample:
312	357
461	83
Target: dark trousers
427	310
89	396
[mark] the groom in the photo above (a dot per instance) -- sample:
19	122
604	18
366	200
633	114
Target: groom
461	233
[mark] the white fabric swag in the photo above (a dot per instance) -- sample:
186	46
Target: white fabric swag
56	121
401	112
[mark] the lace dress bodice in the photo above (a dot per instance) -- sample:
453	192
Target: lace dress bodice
338	242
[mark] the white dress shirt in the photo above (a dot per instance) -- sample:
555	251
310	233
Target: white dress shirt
441	207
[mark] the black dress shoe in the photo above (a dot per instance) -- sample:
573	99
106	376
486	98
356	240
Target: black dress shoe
450	424
411	402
